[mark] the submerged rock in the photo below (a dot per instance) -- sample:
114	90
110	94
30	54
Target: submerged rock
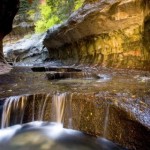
107	33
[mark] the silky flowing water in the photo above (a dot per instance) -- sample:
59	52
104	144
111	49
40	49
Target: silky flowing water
58	103
106	121
37	130
82	101
50	136
15	106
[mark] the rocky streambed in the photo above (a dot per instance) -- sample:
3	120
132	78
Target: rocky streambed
106	102
110	103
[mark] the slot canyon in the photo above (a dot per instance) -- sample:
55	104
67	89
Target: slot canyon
75	74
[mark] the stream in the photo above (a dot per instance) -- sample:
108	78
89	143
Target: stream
100	102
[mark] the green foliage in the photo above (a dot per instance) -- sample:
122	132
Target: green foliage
47	19
48	14
78	4
54	12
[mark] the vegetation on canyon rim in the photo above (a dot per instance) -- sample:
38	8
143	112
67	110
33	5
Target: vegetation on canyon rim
47	13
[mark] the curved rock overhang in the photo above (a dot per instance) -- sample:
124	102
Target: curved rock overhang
104	33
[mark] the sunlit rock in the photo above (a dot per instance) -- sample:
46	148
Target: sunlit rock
27	51
112	33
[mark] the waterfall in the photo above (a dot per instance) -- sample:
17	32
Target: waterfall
38	103
43	107
33	107
106	121
58	102
13	110
16	108
70	111
38	107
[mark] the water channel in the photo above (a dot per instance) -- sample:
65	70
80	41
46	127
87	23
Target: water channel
108	103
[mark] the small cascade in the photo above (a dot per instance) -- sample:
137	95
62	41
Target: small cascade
13	111
33	108
87	75
106	121
58	102
62	109
22	109
70	111
38	107
43	107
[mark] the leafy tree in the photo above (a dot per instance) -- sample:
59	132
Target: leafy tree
54	12
47	18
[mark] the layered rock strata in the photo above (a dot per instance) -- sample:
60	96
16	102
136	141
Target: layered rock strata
107	33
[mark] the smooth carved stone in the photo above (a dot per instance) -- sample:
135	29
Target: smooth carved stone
123	121
94	19
111	34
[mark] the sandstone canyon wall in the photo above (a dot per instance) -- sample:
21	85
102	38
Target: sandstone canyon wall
112	33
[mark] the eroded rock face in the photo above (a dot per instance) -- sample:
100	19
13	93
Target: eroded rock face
116	117
116	106
27	51
104	33
112	118
8	9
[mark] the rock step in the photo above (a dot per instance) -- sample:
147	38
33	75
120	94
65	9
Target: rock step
64	75
62	69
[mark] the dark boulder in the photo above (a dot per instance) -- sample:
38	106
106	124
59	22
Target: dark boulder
8	9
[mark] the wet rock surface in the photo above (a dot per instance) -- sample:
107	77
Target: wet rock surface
116	106
123	81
